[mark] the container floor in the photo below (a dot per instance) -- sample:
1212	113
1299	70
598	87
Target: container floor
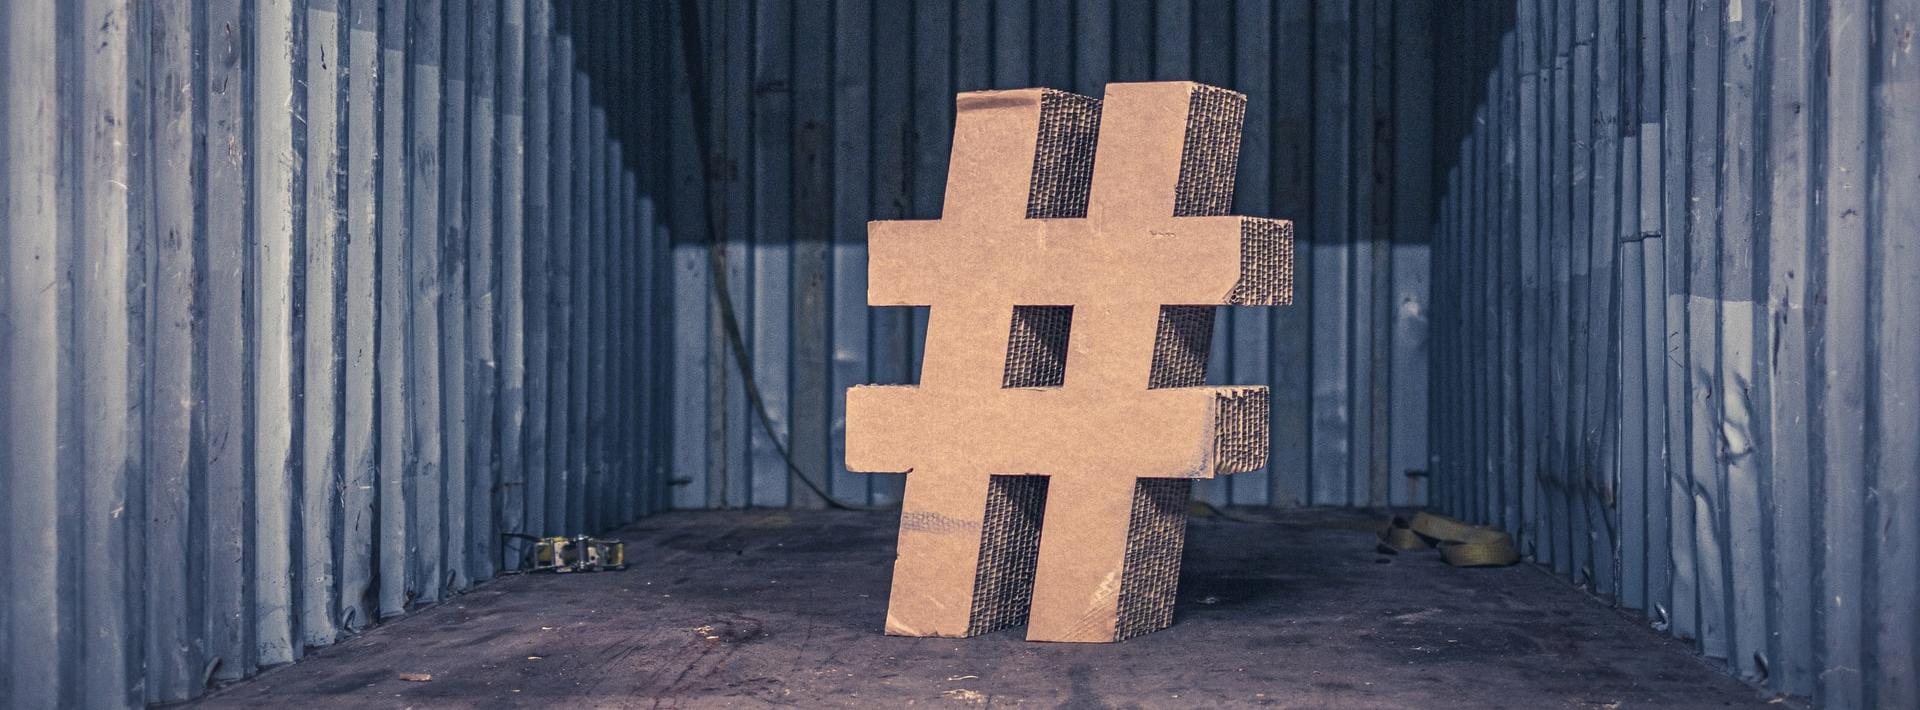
733	609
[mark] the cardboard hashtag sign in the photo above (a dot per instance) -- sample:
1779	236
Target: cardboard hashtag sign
1060	419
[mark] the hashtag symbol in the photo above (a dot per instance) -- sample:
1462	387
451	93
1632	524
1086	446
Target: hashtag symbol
1072	291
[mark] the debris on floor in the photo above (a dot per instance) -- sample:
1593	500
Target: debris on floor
967	696
1301	617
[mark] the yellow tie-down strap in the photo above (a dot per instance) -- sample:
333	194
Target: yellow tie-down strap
1460	544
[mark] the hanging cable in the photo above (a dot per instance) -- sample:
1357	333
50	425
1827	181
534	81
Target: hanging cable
693	53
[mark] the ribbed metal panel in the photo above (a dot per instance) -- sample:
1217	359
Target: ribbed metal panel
302	303
1675	271
275	290
827	115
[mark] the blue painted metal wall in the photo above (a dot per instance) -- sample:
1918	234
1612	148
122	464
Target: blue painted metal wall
1675	276
827	115
302	304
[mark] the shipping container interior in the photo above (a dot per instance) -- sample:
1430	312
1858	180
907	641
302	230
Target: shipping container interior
313	312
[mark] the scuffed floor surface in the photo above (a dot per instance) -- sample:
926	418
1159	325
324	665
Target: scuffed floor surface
749	609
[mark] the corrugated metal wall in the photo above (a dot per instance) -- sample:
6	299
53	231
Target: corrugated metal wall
302	302
301	305
1676	273
826	115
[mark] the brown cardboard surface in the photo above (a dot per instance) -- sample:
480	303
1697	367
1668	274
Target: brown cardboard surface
1121	251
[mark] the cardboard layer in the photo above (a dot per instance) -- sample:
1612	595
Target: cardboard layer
1051	443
